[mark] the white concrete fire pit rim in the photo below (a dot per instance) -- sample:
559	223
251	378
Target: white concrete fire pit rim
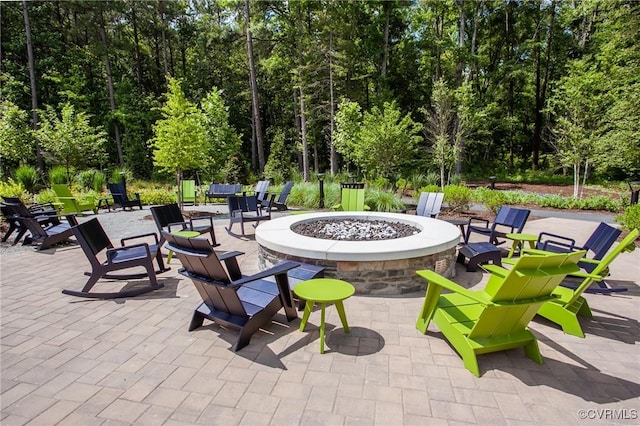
435	236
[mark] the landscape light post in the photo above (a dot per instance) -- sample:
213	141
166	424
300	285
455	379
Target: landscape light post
321	187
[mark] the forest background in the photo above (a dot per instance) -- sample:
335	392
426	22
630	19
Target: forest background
379	88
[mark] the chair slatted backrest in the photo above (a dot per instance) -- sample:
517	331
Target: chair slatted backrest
262	187
627	244
25	218
352	194
202	265
244	203
166	214
92	238
119	193
514	299
601	240
188	191
429	204
512	217
282	198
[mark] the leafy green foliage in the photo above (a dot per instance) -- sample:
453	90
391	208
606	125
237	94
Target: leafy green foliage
220	136
16	142
380	142
28	177
428	188
457	197
490	198
278	167
58	174
11	188
70	139
630	219
180	136
380	200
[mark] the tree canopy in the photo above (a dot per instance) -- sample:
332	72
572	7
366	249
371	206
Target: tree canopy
260	71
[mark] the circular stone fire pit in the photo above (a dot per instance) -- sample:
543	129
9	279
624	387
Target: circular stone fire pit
383	267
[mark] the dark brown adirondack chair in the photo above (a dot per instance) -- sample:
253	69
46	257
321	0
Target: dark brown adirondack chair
45	230
45	214
169	218
229	298
120	198
247	208
94	241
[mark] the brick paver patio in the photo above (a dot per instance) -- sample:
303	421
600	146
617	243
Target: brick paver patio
71	361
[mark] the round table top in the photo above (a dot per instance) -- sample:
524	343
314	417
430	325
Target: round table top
522	237
324	290
186	234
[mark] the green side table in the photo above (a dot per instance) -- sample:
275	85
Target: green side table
323	291
518	240
185	234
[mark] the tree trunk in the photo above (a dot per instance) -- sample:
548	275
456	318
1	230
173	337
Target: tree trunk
296	117
112	97
385	47
541	90
333	156
165	59
459	69
303	116
255	101
32	80
134	23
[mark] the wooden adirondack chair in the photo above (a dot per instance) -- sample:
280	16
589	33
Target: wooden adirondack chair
508	220
188	191
597	246
12	207
496	318
430	204
45	229
352	197
281	202
95	242
229	298
119	193
246	208
70	203
169	218
570	304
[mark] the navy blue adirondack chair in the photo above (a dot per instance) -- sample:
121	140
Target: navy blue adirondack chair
508	220
597	245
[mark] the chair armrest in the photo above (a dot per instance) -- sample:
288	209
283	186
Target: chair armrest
183	225
280	268
229	254
477	219
556	240
209	218
496	270
437	279
155	237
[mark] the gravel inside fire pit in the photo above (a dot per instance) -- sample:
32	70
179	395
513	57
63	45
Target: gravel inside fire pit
354	229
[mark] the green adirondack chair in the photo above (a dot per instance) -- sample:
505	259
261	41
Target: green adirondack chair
570	304
189	191
70	203
496	318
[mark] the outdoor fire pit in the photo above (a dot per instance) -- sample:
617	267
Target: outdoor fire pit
372	264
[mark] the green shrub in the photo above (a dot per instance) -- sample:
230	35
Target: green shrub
99	181
28	177
428	188
117	174
84	179
457	197
630	219
11	188
46	196
490	198
153	196
380	200
58	175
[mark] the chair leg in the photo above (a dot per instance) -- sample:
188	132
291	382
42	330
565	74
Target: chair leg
93	279
196	320
532	350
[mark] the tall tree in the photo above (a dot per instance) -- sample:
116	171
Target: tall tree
255	99
32	80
